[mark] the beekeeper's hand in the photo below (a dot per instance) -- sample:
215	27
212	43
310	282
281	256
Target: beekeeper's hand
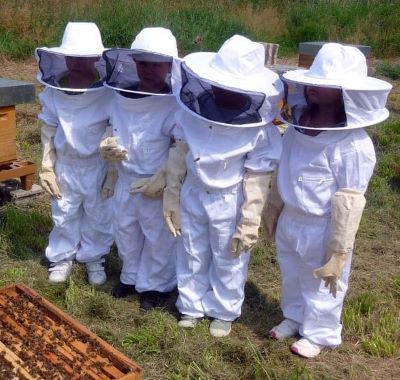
49	182
107	189
47	175
152	187
176	173
347	206
256	187
111	151
272	211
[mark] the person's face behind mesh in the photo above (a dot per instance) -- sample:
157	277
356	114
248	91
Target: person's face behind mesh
152	75
82	72
229	99
83	65
323	95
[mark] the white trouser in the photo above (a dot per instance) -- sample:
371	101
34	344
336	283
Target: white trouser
210	280
82	219
301	242
145	245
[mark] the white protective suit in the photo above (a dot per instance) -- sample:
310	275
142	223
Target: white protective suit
210	279
82	219
322	156
145	127
311	171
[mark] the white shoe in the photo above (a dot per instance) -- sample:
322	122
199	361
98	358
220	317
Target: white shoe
188	322
59	272
305	348
285	329
96	274
220	328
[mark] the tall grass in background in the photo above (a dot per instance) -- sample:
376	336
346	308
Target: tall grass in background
26	24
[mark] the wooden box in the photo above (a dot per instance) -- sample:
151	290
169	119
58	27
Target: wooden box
39	341
8	150
308	51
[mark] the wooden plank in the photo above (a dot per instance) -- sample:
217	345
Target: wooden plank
16	170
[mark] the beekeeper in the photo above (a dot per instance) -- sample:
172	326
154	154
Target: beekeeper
228	100
142	115
327	162
74	115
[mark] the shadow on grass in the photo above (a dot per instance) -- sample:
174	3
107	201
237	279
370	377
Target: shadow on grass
259	312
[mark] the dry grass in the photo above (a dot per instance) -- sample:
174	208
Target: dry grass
265	22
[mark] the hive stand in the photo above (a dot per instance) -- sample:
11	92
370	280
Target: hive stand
13	92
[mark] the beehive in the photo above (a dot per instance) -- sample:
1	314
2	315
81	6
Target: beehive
13	92
8	150
39	341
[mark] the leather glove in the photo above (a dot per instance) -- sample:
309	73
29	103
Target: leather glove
107	189
347	206
272	210
152	187
176	172
47	175
49	182
256	187
111	151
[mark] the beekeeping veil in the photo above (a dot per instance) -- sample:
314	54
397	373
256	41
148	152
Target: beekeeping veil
363	98
151	60
80	51
231	87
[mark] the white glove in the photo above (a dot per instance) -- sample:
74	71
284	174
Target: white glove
272	210
111	151
176	172
256	187
347	206
107	189
47	175
152	187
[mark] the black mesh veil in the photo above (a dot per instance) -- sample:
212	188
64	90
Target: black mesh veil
301	106
123	70
55	70
219	104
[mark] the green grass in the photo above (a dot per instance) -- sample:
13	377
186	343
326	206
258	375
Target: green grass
24	25
389	70
23	233
371	316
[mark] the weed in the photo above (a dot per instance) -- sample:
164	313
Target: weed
388	70
396	284
369	317
15	274
377	345
72	295
145	339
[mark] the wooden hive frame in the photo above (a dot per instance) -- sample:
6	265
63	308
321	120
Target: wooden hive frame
40	341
